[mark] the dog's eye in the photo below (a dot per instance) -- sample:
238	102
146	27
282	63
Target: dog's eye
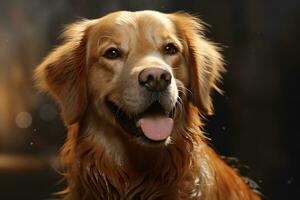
112	53
170	49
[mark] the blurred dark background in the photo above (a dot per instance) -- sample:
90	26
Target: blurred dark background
256	120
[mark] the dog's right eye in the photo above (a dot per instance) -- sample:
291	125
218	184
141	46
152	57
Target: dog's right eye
170	49
112	53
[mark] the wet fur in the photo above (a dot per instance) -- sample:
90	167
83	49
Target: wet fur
99	160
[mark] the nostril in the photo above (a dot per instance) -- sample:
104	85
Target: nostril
166	77
150	78
143	77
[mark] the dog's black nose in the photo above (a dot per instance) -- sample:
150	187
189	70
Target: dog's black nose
155	79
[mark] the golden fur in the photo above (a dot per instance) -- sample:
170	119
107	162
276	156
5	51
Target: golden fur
100	159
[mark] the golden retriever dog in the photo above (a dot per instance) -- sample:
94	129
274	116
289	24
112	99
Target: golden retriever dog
133	88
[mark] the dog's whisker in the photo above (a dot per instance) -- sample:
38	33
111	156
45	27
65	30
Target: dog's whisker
180	102
174	115
175	68
182	88
182	92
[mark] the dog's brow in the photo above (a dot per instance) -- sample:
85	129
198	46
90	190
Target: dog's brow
105	37
126	19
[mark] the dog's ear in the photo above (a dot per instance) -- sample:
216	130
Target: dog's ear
204	58
62	73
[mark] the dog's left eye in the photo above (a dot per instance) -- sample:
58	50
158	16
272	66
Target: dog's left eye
170	49
112	53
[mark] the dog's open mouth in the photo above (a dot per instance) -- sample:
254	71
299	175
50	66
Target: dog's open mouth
153	125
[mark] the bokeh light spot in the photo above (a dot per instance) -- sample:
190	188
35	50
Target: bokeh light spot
23	120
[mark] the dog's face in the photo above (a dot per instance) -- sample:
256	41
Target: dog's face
136	70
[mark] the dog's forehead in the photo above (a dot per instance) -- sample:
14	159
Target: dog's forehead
147	23
145	19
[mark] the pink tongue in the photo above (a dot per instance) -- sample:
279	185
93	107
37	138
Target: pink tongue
156	128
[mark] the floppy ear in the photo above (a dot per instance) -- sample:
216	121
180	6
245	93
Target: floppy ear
62	73
205	60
